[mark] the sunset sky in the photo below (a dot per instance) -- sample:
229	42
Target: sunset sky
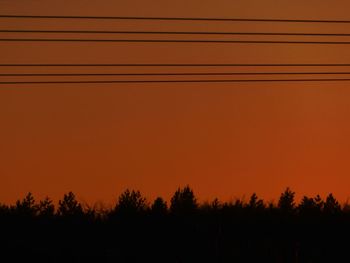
226	140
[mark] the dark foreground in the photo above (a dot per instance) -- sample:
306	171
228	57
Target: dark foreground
313	231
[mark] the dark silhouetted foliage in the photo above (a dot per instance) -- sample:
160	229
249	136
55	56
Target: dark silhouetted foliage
286	202
331	205
183	202
308	206
255	202
159	207
314	230
69	206
130	203
46	208
26	206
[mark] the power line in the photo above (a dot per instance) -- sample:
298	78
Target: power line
170	81
176	41
177	65
178	19
169	74
172	32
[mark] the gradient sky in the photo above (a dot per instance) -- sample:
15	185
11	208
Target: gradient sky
225	140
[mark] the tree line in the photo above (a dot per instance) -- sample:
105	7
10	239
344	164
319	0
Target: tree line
134	230
183	202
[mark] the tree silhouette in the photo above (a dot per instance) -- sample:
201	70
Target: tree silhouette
286	202
255	202
215	204
183	201
69	206
130	203
159	207
308	206
346	207
131	231
331	205
319	203
90	212
46	208
4	209
26	206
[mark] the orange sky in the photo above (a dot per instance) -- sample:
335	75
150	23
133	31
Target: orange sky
225	140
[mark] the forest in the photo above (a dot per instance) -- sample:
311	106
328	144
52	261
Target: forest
136	230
